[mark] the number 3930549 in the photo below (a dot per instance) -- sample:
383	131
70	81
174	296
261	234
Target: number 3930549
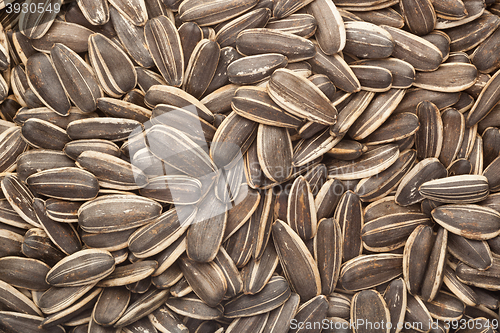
32	8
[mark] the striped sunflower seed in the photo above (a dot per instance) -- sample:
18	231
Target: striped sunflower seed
205	235
15	301
369	306
56	299
337	70
300	24
474	253
330	32
111	171
232	139
77	77
457	219
367	40
275	293
328	253
301	210
143	306
212	12
80	268
263	40
194	307
391	231
396	298
427	169
369	164
201	67
406	44
165	229
434	273
460	189
300	97
367	271
253	69
487	279
12	321
111	213
416	256
349	214
42	134
128	274
64	183
182	153
37	245
114	69
24	273
20	198
64	236
12	145
311	313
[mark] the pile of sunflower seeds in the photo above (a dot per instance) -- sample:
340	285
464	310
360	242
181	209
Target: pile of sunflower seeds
249	166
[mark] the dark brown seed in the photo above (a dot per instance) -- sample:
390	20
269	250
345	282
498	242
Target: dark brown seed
274	294
349	214
427	169
395	296
416	256
330	32
24	273
76	77
110	305
470	221
206	279
328	253
301	214
144	305
117	212
429	136
42	134
201	67
262	40
418	52
83	267
369	306
212	12
114	69
297	262
367	40
419	16
434	273
367	271
474	253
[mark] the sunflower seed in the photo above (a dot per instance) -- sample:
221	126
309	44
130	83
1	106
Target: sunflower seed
112	172
106	213
113	129
80	268
128	274
162	232
417	317
274	294
44	82
367	271
228	32
330	32
194	307
416	256
24	273
369	306
479	278
367	40
11	322
349	214
13	300
301	214
328	253
427	169
465	293
454	217
434	273
114	69
300	24
213	12
418	52
143	306
37	245
42	134
20	198
262	40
